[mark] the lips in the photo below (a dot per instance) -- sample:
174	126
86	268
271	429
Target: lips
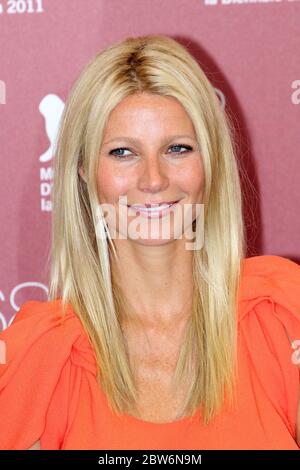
153	205
154	211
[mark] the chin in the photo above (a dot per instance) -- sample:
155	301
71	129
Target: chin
152	241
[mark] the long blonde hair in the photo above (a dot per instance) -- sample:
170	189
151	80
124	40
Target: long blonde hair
80	261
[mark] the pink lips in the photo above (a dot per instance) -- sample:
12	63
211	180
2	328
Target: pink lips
143	212
151	204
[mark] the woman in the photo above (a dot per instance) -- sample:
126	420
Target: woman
150	341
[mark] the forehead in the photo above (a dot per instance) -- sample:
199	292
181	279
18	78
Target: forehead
148	100
148	112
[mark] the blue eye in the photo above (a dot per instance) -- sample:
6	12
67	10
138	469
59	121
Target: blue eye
187	147
123	157
116	150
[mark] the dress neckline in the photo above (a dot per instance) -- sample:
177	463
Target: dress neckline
178	422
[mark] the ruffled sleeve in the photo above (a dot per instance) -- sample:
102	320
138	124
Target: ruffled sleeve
45	354
269	328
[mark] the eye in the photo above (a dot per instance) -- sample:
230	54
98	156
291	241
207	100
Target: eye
119	156
124	157
187	147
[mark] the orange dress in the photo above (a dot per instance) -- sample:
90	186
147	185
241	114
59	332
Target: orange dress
48	387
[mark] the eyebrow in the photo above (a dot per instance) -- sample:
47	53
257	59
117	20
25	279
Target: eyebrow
137	141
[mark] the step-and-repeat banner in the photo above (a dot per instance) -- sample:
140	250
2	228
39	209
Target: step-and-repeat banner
249	49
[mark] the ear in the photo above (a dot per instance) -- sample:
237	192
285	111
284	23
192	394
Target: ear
81	173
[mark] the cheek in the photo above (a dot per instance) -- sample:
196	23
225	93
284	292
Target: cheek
192	178
110	184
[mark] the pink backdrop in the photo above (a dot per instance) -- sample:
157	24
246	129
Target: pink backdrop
250	51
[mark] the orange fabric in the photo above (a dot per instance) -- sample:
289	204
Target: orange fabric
48	387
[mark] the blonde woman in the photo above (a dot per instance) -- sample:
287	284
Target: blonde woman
150	341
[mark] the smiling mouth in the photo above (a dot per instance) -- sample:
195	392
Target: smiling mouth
156	211
154	207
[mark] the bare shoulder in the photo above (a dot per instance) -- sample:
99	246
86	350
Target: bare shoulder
36	446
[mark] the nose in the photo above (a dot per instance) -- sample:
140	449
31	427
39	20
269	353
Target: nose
153	177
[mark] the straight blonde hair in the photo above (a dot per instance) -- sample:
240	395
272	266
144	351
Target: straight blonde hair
80	260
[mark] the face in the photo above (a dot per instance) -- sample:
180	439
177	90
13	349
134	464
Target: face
150	155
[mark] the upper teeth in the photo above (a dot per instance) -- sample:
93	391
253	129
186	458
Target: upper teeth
164	206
